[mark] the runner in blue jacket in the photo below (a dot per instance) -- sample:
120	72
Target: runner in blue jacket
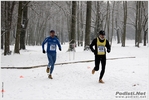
52	41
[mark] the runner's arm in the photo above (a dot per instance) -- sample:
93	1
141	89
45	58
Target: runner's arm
92	44
108	46
59	46
44	42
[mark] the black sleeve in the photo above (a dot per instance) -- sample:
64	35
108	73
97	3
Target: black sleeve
108	46
92	44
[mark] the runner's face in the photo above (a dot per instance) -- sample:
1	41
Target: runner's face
52	34
102	36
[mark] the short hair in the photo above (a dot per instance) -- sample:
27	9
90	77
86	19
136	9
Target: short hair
52	31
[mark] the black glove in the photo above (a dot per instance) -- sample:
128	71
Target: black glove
44	51
60	49
108	50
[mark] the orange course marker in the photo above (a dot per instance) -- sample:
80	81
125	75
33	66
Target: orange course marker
88	67
21	77
2	90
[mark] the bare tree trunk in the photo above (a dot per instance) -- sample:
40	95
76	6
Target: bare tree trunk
62	31
141	18
97	22
118	37
108	20
145	21
117	30
9	7
116	23
88	25
78	23
73	27
145	36
17	41
24	25
2	41
138	23
7	33
124	24
69	20
81	15
2	23
112	22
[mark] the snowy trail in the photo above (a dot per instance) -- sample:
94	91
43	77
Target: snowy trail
74	81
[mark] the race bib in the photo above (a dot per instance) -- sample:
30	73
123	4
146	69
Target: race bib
101	49
52	47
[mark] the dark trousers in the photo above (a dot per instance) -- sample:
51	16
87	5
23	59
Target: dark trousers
102	59
52	59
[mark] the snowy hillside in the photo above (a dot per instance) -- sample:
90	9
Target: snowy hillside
75	81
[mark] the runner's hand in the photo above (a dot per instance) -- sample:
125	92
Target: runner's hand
44	51
108	50
94	52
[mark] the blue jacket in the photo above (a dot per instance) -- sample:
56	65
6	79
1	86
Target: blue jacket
51	44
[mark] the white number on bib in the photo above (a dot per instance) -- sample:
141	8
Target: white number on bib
52	47
100	48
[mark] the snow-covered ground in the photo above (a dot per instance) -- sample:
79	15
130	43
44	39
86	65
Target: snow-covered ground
75	81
